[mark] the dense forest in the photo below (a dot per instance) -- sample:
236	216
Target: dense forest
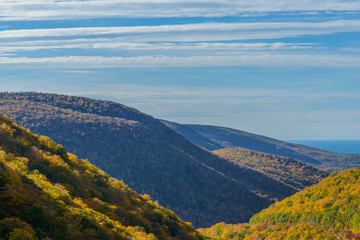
199	186
47	193
290	171
223	137
328	210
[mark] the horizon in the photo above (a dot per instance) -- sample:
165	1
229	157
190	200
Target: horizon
286	140
281	69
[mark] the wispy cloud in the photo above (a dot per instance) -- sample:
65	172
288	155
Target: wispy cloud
51	9
111	43
5	54
203	44
182	45
77	71
263	60
204	31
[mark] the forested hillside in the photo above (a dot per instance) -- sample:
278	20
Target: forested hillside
199	186
47	193
232	138
328	210
290	171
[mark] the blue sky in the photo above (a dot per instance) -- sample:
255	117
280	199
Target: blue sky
283	68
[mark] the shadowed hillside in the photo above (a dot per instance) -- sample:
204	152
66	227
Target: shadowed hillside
131	146
193	136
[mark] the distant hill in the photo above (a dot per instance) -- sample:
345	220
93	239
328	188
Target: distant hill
289	171
193	136
232	138
328	210
197	185
47	193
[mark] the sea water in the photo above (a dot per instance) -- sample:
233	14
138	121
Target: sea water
340	146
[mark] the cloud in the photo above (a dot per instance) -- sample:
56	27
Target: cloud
5	54
263	60
203	31
352	49
51	9
111	43
181	45
77	71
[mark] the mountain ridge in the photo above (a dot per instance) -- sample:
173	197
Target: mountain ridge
233	138
148	156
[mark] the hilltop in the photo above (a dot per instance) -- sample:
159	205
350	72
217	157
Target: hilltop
199	186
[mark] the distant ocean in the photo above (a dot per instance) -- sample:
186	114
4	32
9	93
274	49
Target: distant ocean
340	146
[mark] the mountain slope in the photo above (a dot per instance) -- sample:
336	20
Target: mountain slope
192	136
232	138
129	145
47	193
328	210
290	171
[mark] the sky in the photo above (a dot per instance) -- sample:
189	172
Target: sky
285	69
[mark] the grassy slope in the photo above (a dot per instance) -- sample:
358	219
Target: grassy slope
129	145
49	193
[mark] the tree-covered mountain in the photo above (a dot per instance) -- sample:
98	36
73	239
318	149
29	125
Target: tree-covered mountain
151	158
47	193
328	210
289	171
232	138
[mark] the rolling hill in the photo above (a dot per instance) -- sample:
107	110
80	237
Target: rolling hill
151	158
289	171
232	138
328	210
47	193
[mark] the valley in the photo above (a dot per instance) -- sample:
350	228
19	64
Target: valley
218	189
